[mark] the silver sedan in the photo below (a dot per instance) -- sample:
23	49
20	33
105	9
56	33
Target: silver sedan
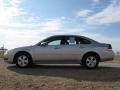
61	49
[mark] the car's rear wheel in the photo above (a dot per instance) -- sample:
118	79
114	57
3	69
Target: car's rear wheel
23	60
90	61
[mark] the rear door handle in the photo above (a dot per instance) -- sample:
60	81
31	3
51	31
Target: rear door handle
81	47
57	48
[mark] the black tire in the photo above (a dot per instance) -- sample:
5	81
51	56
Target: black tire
26	60
82	64
90	63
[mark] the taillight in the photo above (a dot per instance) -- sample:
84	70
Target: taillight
109	46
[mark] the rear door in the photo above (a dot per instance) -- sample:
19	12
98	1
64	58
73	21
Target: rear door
71	52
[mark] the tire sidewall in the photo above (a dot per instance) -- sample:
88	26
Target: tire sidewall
29	60
85	58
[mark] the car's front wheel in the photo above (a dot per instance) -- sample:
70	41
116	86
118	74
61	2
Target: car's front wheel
23	60
90	61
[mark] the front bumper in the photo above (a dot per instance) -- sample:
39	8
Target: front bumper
8	59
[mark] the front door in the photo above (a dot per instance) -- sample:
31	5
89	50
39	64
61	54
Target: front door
50	52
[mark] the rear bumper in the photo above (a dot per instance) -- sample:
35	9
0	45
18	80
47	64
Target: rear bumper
108	55
107	59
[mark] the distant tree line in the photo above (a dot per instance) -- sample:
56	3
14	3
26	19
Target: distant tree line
2	51
118	53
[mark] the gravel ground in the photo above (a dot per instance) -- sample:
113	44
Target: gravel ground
53	77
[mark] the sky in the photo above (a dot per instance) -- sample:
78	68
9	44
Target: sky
26	22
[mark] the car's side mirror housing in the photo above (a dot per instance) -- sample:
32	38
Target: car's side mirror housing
43	44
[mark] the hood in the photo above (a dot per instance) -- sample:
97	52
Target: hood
21	49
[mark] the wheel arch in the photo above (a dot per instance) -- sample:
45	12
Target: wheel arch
21	52
91	53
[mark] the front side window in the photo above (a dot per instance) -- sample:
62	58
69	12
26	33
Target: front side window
53	41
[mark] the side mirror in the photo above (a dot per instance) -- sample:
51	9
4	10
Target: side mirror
43	44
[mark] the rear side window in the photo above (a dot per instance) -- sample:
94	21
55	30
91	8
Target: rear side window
71	40
82	41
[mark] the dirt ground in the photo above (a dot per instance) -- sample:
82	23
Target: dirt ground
59	78
116	59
